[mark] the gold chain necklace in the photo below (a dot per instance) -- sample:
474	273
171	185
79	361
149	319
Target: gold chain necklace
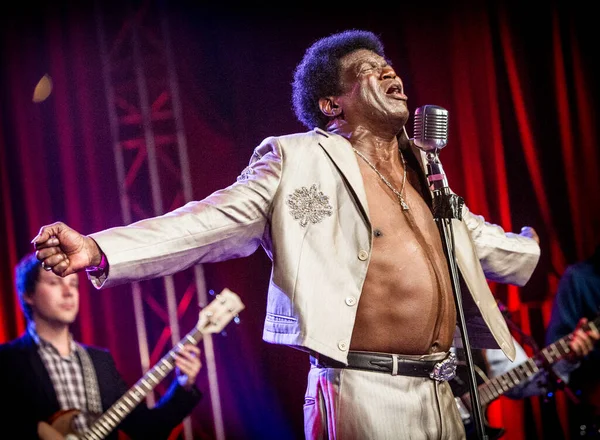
394	190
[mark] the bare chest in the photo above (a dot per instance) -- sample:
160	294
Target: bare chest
407	288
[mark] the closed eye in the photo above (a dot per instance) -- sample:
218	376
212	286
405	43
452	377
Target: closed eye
368	68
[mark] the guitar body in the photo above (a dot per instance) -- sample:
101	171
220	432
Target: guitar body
59	426
62	421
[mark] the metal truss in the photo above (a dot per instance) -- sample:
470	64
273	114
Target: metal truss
150	151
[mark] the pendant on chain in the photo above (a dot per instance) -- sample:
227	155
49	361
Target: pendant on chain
404	205
398	194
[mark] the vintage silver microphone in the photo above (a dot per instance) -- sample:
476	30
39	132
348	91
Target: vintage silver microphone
431	128
431	135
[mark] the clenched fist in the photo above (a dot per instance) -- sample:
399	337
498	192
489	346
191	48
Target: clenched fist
64	251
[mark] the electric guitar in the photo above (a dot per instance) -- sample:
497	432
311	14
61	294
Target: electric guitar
213	318
493	388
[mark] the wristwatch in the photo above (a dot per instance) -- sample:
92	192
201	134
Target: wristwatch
101	268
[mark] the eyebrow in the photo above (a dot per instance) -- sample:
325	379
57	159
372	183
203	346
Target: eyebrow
372	58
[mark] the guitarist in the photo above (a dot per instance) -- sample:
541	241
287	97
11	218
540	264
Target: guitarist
578	296
45	370
492	363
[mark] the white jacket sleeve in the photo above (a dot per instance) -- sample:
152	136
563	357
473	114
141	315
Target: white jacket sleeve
229	223
505	257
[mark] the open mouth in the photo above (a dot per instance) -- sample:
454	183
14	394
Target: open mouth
396	91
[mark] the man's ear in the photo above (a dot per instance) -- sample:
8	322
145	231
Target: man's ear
329	107
28	298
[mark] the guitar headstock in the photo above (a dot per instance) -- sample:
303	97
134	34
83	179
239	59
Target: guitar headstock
221	310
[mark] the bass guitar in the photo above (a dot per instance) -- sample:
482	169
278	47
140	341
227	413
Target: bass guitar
490	389
213	318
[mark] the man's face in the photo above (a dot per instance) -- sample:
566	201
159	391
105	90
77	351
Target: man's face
56	299
373	93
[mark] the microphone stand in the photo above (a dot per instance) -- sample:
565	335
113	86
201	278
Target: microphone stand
448	206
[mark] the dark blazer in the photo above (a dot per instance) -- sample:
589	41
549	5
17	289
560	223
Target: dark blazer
29	397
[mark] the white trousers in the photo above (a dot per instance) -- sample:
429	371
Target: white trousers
347	404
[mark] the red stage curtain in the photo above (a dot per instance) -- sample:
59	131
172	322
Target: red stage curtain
523	150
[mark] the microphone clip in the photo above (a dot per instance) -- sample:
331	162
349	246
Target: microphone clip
447	205
436	176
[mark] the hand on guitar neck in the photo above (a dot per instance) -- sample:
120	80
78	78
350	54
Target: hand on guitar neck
583	339
185	356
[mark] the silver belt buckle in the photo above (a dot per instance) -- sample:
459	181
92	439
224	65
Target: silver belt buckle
445	369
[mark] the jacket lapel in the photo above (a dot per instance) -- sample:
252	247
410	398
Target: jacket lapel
341	154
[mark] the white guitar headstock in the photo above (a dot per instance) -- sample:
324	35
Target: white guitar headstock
221	310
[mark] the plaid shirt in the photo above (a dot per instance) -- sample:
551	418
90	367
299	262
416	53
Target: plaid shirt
67	377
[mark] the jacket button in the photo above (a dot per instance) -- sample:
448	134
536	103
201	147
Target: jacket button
350	300
343	346
363	255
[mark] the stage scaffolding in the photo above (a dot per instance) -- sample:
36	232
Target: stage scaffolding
150	152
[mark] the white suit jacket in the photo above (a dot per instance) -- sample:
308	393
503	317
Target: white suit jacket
302	199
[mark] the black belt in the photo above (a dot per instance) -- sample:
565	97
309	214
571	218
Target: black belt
443	369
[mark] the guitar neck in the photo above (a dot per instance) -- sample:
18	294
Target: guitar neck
494	388
107	422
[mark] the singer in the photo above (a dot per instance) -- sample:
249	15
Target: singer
359	280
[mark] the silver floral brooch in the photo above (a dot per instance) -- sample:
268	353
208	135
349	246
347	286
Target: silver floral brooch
309	205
